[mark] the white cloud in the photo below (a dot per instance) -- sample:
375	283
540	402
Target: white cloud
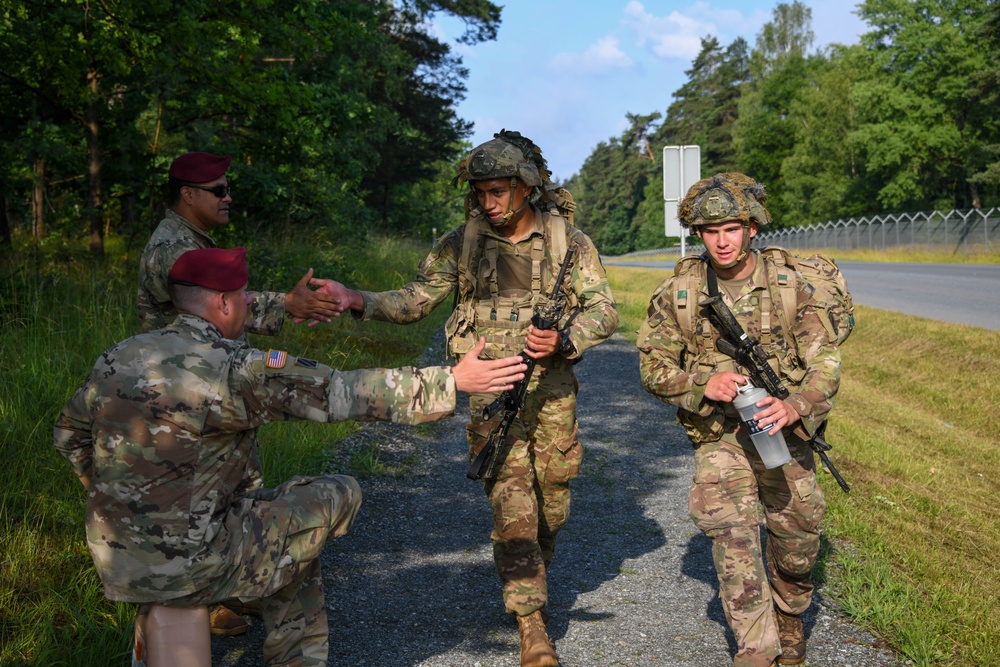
601	57
679	33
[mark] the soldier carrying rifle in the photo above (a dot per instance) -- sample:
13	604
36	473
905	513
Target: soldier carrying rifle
682	363
503	262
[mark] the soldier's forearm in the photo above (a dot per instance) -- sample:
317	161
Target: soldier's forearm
406	395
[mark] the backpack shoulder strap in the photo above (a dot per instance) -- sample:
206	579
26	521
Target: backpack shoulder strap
556	233
782	277
469	258
688	273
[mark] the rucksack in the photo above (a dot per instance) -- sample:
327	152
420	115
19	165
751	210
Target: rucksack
829	285
819	270
557	200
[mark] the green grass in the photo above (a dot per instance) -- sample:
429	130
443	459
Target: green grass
914	545
56	316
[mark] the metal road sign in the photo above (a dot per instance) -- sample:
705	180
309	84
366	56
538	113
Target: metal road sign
681	170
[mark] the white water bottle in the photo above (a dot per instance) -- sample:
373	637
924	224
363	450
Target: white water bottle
770	446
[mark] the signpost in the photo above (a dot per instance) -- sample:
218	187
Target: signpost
681	170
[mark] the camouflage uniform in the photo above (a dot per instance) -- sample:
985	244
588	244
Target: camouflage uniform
173	237
163	428
530	498
731	484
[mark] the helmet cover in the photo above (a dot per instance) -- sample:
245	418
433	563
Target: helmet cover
723	197
507	155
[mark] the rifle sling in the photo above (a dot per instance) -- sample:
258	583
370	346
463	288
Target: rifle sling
713	280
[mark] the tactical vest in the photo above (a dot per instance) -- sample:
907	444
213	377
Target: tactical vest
486	306
701	354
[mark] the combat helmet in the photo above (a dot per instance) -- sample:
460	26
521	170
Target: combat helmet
510	155
724	197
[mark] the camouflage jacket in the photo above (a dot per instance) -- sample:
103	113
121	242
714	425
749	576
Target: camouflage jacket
675	365
163	428
594	321
173	237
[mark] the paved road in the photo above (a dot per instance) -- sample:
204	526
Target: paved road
632	583
956	293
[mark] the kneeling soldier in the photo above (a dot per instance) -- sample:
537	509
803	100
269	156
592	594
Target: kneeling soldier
161	434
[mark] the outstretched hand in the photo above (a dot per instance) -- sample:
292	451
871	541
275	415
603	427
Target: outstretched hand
304	303
345	298
486	376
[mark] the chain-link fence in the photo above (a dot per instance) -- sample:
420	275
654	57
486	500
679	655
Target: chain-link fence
969	231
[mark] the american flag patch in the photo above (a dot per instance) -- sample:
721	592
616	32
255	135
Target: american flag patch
276	358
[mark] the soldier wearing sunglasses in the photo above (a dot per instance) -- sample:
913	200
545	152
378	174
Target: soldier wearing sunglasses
199	199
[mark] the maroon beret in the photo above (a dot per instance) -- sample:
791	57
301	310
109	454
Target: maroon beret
213	268
199	167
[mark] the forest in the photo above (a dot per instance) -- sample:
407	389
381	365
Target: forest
340	114
342	117
903	121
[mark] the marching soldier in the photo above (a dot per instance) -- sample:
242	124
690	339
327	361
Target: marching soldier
503	261
680	364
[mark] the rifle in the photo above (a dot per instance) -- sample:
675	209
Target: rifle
546	316
747	352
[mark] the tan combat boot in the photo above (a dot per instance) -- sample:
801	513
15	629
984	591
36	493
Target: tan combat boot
536	649
793	639
225	622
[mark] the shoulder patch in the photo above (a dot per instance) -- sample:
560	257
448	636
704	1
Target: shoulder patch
306	363
276	359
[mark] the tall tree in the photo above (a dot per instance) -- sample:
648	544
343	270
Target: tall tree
705	107
307	96
69	63
703	113
824	177
611	185
426	129
986	91
786	36
924	128
778	71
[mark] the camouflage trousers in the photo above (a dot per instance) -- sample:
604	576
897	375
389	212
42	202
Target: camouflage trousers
278	563
731	494
530	498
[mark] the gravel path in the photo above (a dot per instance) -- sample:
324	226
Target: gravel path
632	582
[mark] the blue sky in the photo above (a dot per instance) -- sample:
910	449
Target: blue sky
565	72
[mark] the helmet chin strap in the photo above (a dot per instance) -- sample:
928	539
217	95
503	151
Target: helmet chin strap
511	211
744	249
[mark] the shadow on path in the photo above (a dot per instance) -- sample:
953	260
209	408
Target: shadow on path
632	582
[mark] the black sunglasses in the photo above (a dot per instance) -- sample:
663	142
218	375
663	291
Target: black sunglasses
219	190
